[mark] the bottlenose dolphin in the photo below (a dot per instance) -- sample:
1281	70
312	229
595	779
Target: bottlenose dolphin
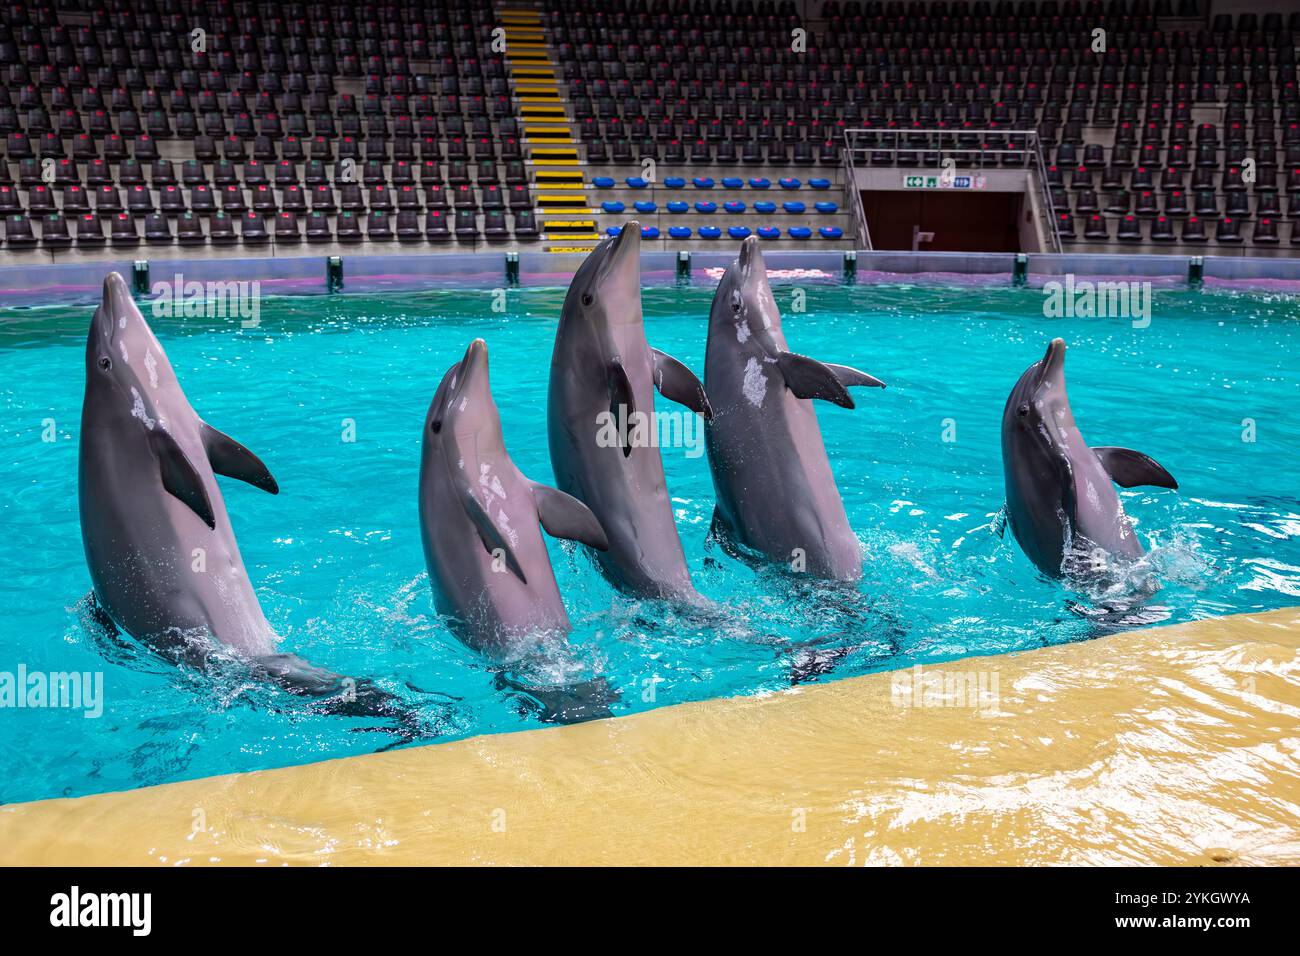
1060	500
479	520
602	370
162	555
776	493
487	560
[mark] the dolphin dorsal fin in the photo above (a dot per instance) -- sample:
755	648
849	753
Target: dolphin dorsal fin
1129	468
228	457
620	396
179	476
564	516
679	384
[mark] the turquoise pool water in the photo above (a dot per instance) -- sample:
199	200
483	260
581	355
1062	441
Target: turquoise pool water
337	562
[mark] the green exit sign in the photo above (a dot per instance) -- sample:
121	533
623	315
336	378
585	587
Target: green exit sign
920	182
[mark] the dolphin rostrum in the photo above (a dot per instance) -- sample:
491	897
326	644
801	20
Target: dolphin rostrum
602	371
775	490
162	555
1060	496
479	520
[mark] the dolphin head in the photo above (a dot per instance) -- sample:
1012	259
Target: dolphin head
606	289
744	305
463	409
125	362
1038	424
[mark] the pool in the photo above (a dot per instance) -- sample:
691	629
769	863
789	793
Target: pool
337	561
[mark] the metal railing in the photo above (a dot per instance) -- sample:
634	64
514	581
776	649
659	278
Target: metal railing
853	202
926	151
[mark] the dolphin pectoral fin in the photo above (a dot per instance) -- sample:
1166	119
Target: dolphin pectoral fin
1128	468
180	477
808	378
564	516
620	398
228	457
849	376
493	540
679	384
1069	491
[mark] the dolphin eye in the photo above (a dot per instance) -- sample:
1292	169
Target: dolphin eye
735	302
437	425
586	298
105	362
1023	410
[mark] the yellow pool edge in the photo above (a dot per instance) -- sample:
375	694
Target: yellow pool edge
1173	745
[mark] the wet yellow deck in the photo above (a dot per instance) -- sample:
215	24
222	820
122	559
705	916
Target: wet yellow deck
1175	745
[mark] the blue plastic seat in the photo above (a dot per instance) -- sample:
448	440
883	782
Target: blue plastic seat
702	182
644	205
760	182
733	182
738	232
675	182
710	232
831	232
603	182
819	183
649	232
734	206
703	206
612	205
790	183
827	207
613	230
793	207
679	232
635	182
799	232
769	232
677	205
767	208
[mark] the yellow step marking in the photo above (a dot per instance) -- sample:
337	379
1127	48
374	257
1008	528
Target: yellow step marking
564	249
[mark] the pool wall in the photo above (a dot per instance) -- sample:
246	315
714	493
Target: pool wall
27	285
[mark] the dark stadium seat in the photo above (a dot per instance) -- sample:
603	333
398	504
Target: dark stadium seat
435	226
90	232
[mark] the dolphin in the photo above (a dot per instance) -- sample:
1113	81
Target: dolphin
1060	496
602	372
776	495
479	520
163	560
487	560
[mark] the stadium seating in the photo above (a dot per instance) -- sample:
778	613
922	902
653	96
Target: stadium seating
306	124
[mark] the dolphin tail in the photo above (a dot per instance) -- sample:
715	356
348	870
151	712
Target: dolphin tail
338	696
560	703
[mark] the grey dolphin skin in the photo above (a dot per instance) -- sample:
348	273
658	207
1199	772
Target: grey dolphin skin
775	490
602	369
1059	491
161	552
479	520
